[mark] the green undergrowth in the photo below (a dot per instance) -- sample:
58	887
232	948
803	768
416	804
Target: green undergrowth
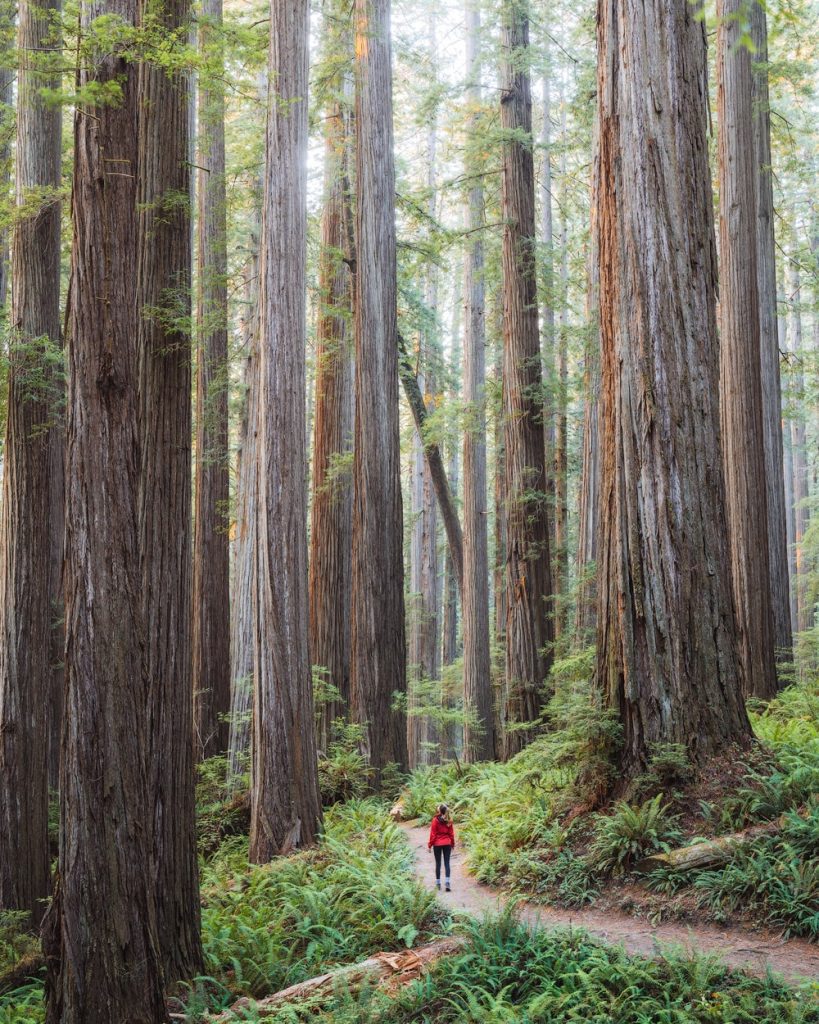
509	974
265	927
270	926
526	824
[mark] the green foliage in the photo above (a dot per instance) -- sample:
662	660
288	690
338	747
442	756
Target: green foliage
669	767
266	927
23	1005
630	833
223	810
511	974
343	771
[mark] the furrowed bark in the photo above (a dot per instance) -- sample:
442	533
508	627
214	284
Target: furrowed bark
111	971
164	306
668	664
285	802
743	436
529	627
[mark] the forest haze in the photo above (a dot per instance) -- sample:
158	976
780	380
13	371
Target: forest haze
404	401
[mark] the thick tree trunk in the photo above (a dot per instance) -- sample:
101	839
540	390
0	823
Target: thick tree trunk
378	666
163	296
100	935
285	803
479	717
743	435
331	533
804	604
588	517
768	340
244	543
7	9
529	629
210	634
667	657
30	521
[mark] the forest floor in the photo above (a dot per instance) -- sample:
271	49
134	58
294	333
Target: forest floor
756	951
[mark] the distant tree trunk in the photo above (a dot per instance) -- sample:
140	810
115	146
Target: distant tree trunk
768	340
424	638
499	495
801	492
331	534
529	630
29	519
740	368
561	447
479	721
211	544
244	542
378	667
285	803
588	525
667	657
450	651
790	511
164	304
100	934
547	313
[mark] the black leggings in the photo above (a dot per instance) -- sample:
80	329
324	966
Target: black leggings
440	851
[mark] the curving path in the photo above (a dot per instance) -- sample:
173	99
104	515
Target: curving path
756	952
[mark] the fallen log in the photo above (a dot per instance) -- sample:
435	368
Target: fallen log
390	970
711	853
398	808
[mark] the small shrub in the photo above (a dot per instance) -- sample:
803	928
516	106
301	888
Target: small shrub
630	833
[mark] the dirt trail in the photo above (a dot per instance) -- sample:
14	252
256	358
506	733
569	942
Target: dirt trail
755	952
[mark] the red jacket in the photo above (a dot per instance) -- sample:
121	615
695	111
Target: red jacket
441	833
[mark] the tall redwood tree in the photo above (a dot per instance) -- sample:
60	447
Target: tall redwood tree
668	662
112	970
379	661
285	804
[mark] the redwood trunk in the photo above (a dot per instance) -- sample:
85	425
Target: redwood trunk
165	499
479	718
378	663
529	628
104	963
667	657
743	434
211	545
30	521
801	493
285	803
331	536
588	524
244	543
768	335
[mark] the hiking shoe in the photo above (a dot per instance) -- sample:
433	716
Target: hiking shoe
448	888
437	885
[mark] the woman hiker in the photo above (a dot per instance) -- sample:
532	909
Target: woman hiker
442	842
